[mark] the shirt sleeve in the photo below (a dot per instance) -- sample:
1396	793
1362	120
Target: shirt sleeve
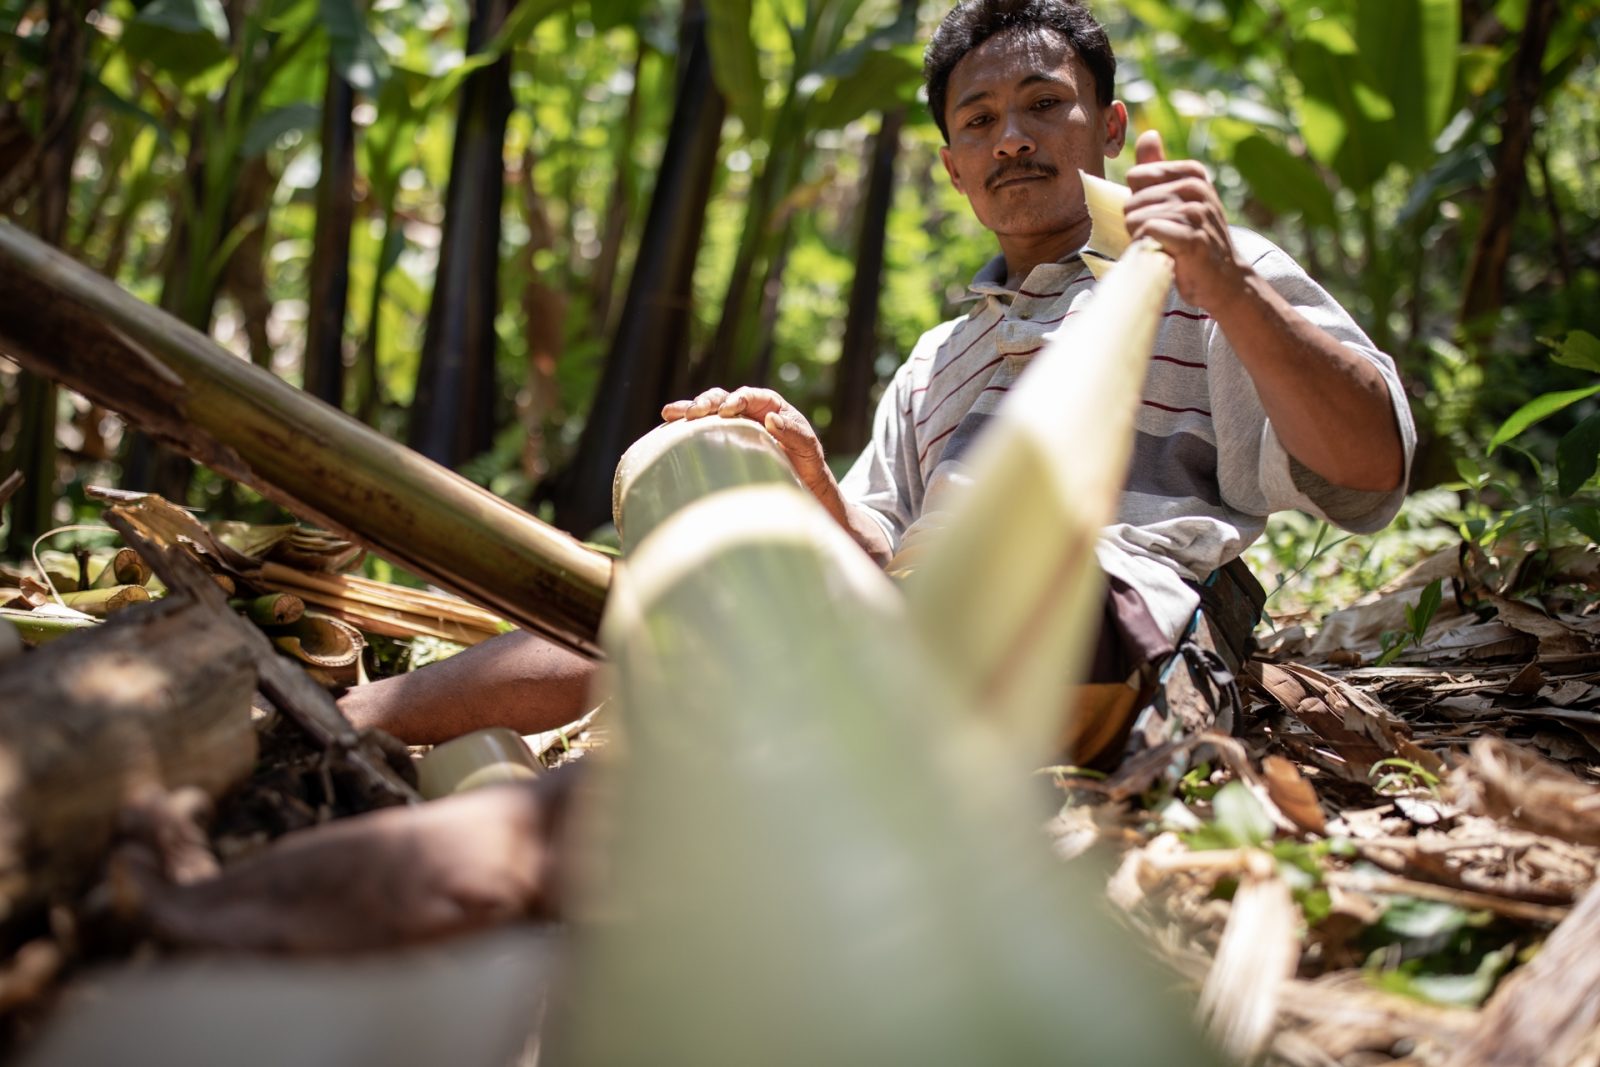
1256	473
886	478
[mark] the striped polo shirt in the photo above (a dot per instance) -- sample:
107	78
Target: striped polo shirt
1207	467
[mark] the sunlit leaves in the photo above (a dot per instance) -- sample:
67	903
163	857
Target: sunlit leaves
882	78
355	53
734	61
1577	454
1581	349
1537	410
182	39
267	130
1378	84
1284	181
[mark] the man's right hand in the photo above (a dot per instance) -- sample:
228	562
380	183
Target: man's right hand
799	442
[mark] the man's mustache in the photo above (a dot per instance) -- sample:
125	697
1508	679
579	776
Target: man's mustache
1016	168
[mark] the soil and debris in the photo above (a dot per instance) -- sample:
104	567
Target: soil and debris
1391	862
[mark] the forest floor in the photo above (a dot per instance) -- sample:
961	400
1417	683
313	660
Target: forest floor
1390	861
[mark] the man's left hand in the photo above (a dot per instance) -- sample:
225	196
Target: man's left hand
1175	205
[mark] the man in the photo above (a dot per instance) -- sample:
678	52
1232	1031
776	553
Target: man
1263	394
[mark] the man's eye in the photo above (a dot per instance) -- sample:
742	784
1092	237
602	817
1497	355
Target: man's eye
1045	102
977	120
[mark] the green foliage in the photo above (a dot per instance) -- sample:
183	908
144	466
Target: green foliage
1437	952
1360	135
1237	821
1418	616
1396	775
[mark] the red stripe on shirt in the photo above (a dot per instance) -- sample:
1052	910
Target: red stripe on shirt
1179	362
1187	315
947	366
923	455
957	389
975	340
1051	322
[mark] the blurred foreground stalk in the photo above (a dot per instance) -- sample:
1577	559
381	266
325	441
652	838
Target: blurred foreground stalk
819	854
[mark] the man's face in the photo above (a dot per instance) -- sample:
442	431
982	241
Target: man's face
1023	120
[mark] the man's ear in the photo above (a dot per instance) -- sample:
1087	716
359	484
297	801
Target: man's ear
950	169
1116	117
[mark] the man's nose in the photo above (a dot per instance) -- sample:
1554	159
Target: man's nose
1014	140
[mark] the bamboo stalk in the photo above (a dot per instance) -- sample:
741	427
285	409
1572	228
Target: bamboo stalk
64	321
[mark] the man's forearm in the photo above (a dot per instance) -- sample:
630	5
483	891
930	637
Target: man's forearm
518	680
860	524
1330	407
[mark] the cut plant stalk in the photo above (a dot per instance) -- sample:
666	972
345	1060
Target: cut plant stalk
800	786
356	589
124	568
283	683
394	611
107	601
273	609
39	627
319	641
1009	591
76	327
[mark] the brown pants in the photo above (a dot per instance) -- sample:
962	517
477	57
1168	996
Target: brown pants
1142	691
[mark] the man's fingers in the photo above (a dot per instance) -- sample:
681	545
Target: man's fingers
1166	171
1178	190
1177	239
698	408
751	403
1148	148
707	403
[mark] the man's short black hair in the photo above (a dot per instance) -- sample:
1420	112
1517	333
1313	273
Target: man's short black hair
975	21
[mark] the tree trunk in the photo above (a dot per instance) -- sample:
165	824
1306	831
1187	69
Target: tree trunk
155	699
729	360
66	44
452	417
771	300
146	466
1485	284
649	354
245	278
545	313
330	250
59	318
858	352
618	207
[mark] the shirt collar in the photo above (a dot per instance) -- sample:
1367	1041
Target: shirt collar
991	278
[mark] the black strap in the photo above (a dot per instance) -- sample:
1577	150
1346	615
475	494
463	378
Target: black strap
1214	682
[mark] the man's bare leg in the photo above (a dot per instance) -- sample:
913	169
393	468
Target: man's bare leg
517	680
